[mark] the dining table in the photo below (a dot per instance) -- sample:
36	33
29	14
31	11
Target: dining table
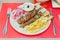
12	33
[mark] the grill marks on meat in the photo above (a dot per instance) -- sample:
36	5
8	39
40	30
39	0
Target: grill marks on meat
29	18
28	22
34	12
23	19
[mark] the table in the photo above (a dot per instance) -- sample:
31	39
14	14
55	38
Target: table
14	34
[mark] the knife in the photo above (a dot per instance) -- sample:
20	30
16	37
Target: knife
54	26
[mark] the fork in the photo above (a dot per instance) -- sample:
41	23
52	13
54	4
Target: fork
54	26
6	25
8	15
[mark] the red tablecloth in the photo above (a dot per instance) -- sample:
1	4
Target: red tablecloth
14	34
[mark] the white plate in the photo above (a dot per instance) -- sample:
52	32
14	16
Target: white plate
16	26
55	5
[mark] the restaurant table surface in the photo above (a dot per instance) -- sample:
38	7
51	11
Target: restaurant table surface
12	33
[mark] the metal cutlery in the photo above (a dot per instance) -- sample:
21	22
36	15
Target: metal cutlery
54	26
8	15
6	25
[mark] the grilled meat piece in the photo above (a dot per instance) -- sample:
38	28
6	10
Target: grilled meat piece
33	13
28	22
21	20
27	17
31	20
22	25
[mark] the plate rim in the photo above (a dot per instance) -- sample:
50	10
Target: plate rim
31	34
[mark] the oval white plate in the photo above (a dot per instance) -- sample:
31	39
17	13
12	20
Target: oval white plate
16	26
